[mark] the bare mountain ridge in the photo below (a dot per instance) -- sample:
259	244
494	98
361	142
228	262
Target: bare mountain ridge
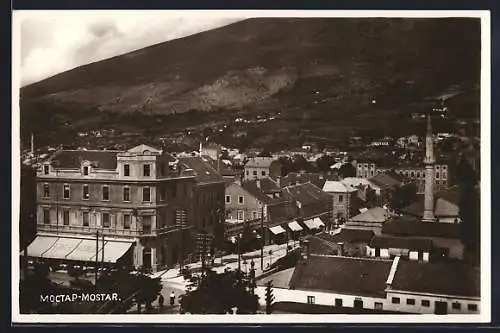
250	61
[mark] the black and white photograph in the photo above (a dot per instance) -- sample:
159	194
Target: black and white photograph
251	166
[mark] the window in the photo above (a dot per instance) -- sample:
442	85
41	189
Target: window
240	199
85	219
126	221
146	170
378	306
146	194
426	303
146	224
126	194
456	306
85	192
248	173
341	198
105	192
66	193
338	302
472	307
396	300
254	215
241	215
410	301
255	172
263	173
85	170
311	299
412	174
437	175
66	217
46	216
106	223
45	169
126	170
46	190
228	199
443	175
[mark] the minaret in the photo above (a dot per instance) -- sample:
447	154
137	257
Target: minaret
429	162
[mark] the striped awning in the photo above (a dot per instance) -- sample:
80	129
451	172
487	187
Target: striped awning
310	224
294	226
277	230
77	249
318	222
40	245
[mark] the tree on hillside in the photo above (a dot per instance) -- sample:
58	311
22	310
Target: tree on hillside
347	170
215	293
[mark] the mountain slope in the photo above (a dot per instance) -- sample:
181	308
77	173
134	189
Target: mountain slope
273	63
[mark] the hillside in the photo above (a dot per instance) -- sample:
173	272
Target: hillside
324	69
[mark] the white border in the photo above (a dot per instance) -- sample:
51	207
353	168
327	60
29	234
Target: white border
484	316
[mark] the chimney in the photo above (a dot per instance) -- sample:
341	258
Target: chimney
32	145
341	249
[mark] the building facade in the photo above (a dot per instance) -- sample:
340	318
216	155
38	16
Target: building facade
136	196
342	198
262	167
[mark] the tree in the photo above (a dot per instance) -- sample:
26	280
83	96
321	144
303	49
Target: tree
403	196
214	293
269	297
469	210
248	239
347	170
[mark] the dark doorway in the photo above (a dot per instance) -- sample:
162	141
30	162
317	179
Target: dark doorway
440	308
146	257
358	304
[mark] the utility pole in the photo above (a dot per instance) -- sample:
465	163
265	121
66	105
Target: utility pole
239	252
262	235
102	251
96	256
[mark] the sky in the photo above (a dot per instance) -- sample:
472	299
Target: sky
52	42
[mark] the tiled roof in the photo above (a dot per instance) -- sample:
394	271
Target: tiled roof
376	214
268	185
223	169
355	181
306	193
455	279
72	159
407	226
388	242
385	180
260	162
299	178
445	203
251	187
354	276
352	236
204	172
337	187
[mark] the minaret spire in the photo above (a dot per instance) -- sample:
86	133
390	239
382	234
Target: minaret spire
429	162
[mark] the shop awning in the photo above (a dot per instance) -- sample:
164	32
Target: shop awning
277	230
294	226
40	245
85	251
318	222
310	224
113	250
62	248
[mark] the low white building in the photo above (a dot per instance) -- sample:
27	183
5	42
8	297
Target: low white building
361	285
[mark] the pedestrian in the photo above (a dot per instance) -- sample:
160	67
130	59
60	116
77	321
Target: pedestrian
172	298
161	300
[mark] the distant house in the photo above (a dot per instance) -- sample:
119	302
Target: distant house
342	199
294	178
261	167
382	246
445	237
363	285
211	150
352	242
372	219
308	201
